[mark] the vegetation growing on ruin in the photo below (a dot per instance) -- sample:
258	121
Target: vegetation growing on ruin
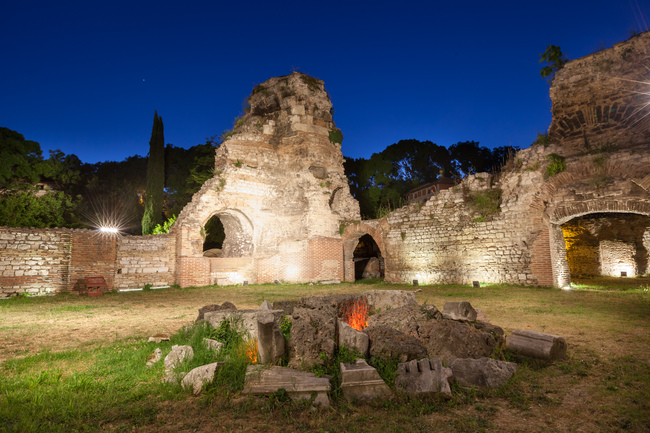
483	203
555	165
335	135
542	138
164	227
555	61
312	83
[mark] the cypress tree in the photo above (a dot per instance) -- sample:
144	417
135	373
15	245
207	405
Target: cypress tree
153	203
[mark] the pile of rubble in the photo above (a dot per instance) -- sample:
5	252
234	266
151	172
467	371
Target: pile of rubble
435	348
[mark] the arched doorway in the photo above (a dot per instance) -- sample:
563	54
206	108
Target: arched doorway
368	261
227	233
607	244
364	240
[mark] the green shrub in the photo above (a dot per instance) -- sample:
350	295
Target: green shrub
556	165
485	203
336	136
165	227
542	138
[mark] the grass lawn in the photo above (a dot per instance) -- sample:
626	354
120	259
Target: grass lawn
72	363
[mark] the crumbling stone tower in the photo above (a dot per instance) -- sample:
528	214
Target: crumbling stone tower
279	190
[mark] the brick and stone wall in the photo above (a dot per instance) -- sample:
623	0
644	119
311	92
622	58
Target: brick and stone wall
617	257
279	190
40	261
600	100
34	261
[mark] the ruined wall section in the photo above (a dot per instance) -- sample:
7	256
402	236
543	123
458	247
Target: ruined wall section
600	100
42	261
279	184
34	261
450	239
142	260
447	240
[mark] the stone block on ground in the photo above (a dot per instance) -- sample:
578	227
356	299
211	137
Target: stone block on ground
158	338
483	372
266	305
384	299
270	341
451	339
462	310
177	355
200	376
312	332
405	319
214	307
360	381
353	339
426	376
213	344
264	380
386	342
537	345
154	357
242	320
372	269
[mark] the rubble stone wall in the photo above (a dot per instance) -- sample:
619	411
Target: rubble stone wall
599	100
617	257
41	261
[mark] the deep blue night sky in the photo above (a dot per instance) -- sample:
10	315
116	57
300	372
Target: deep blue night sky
86	76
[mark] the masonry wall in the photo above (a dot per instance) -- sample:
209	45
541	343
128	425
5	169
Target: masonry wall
142	260
34	261
617	257
41	261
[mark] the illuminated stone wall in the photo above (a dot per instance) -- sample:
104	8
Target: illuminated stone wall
41	261
279	190
617	257
600	100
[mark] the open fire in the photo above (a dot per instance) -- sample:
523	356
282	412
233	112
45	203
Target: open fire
355	314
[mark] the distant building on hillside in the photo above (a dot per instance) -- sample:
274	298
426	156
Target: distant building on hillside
422	192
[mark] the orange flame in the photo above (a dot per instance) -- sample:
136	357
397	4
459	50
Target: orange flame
251	351
356	314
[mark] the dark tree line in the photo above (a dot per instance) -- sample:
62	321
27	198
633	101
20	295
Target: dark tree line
381	182
85	195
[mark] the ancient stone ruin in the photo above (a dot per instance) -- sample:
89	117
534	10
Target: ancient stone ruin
435	349
280	193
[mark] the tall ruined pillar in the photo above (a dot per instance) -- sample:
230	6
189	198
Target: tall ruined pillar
279	190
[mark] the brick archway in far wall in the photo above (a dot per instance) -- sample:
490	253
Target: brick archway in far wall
350	238
562	212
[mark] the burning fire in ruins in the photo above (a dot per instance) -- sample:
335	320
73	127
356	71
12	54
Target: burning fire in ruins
355	314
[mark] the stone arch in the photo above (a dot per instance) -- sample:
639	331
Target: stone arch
350	238
563	211
239	232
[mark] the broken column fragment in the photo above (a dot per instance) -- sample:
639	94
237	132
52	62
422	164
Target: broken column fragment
270	341
426	376
360	381
537	345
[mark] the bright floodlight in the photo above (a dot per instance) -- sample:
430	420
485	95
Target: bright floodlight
108	229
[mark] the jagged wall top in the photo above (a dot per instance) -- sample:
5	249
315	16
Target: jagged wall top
602	100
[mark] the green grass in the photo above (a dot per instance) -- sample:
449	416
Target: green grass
108	387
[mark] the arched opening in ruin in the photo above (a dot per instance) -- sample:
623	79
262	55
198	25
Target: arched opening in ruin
607	245
368	261
363	257
227	233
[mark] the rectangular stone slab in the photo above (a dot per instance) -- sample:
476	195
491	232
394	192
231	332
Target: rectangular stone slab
264	380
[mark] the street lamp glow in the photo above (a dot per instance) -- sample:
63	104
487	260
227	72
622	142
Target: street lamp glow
108	229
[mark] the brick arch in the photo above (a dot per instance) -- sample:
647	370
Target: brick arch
350	238
566	196
239	232
565	211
